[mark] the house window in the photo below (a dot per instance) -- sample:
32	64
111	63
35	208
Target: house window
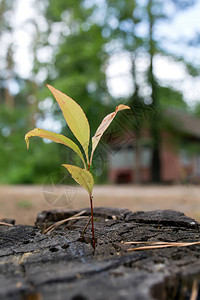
146	157
185	158
123	158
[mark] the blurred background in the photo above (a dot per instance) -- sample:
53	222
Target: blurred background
101	53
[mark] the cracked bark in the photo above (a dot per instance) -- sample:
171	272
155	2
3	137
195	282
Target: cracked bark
59	266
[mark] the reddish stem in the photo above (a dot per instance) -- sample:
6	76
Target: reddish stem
91	206
93	238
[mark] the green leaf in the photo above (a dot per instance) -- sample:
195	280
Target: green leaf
103	126
55	137
75	118
82	176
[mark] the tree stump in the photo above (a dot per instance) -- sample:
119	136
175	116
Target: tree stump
60	265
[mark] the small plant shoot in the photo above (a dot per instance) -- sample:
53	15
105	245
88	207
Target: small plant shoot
78	124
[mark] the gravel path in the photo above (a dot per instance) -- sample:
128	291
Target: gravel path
24	202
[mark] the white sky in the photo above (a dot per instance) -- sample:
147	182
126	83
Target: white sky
184	26
22	36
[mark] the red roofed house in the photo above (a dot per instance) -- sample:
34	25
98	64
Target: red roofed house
179	153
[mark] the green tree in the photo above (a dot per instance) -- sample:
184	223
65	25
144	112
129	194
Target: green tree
85	35
77	66
78	56
129	17
6	55
19	111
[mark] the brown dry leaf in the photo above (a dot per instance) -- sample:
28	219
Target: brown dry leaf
150	243
157	245
59	223
103	126
34	296
195	289
5	224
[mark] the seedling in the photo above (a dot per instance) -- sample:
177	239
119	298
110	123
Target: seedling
78	123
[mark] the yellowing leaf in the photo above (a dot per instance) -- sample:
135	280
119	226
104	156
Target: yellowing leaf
75	118
82	176
55	137
103	126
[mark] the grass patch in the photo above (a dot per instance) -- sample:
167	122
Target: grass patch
24	204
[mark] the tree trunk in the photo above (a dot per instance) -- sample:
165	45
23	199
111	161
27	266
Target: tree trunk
136	103
62	266
137	164
155	132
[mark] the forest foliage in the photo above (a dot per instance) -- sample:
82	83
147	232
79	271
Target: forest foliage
79	41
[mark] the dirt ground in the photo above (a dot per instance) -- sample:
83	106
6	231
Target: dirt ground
23	203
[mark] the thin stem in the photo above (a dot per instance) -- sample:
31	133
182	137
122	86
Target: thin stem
93	238
91	206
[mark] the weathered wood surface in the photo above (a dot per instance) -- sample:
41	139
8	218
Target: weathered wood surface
58	266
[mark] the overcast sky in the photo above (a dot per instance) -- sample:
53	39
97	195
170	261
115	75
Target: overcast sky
185	25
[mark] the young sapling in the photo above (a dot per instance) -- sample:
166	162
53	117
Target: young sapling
79	125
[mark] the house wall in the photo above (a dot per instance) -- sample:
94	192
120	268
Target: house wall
170	163
127	175
177	164
175	168
121	165
121	175
170	169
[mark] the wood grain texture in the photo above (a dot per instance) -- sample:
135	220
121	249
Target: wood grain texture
60	266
